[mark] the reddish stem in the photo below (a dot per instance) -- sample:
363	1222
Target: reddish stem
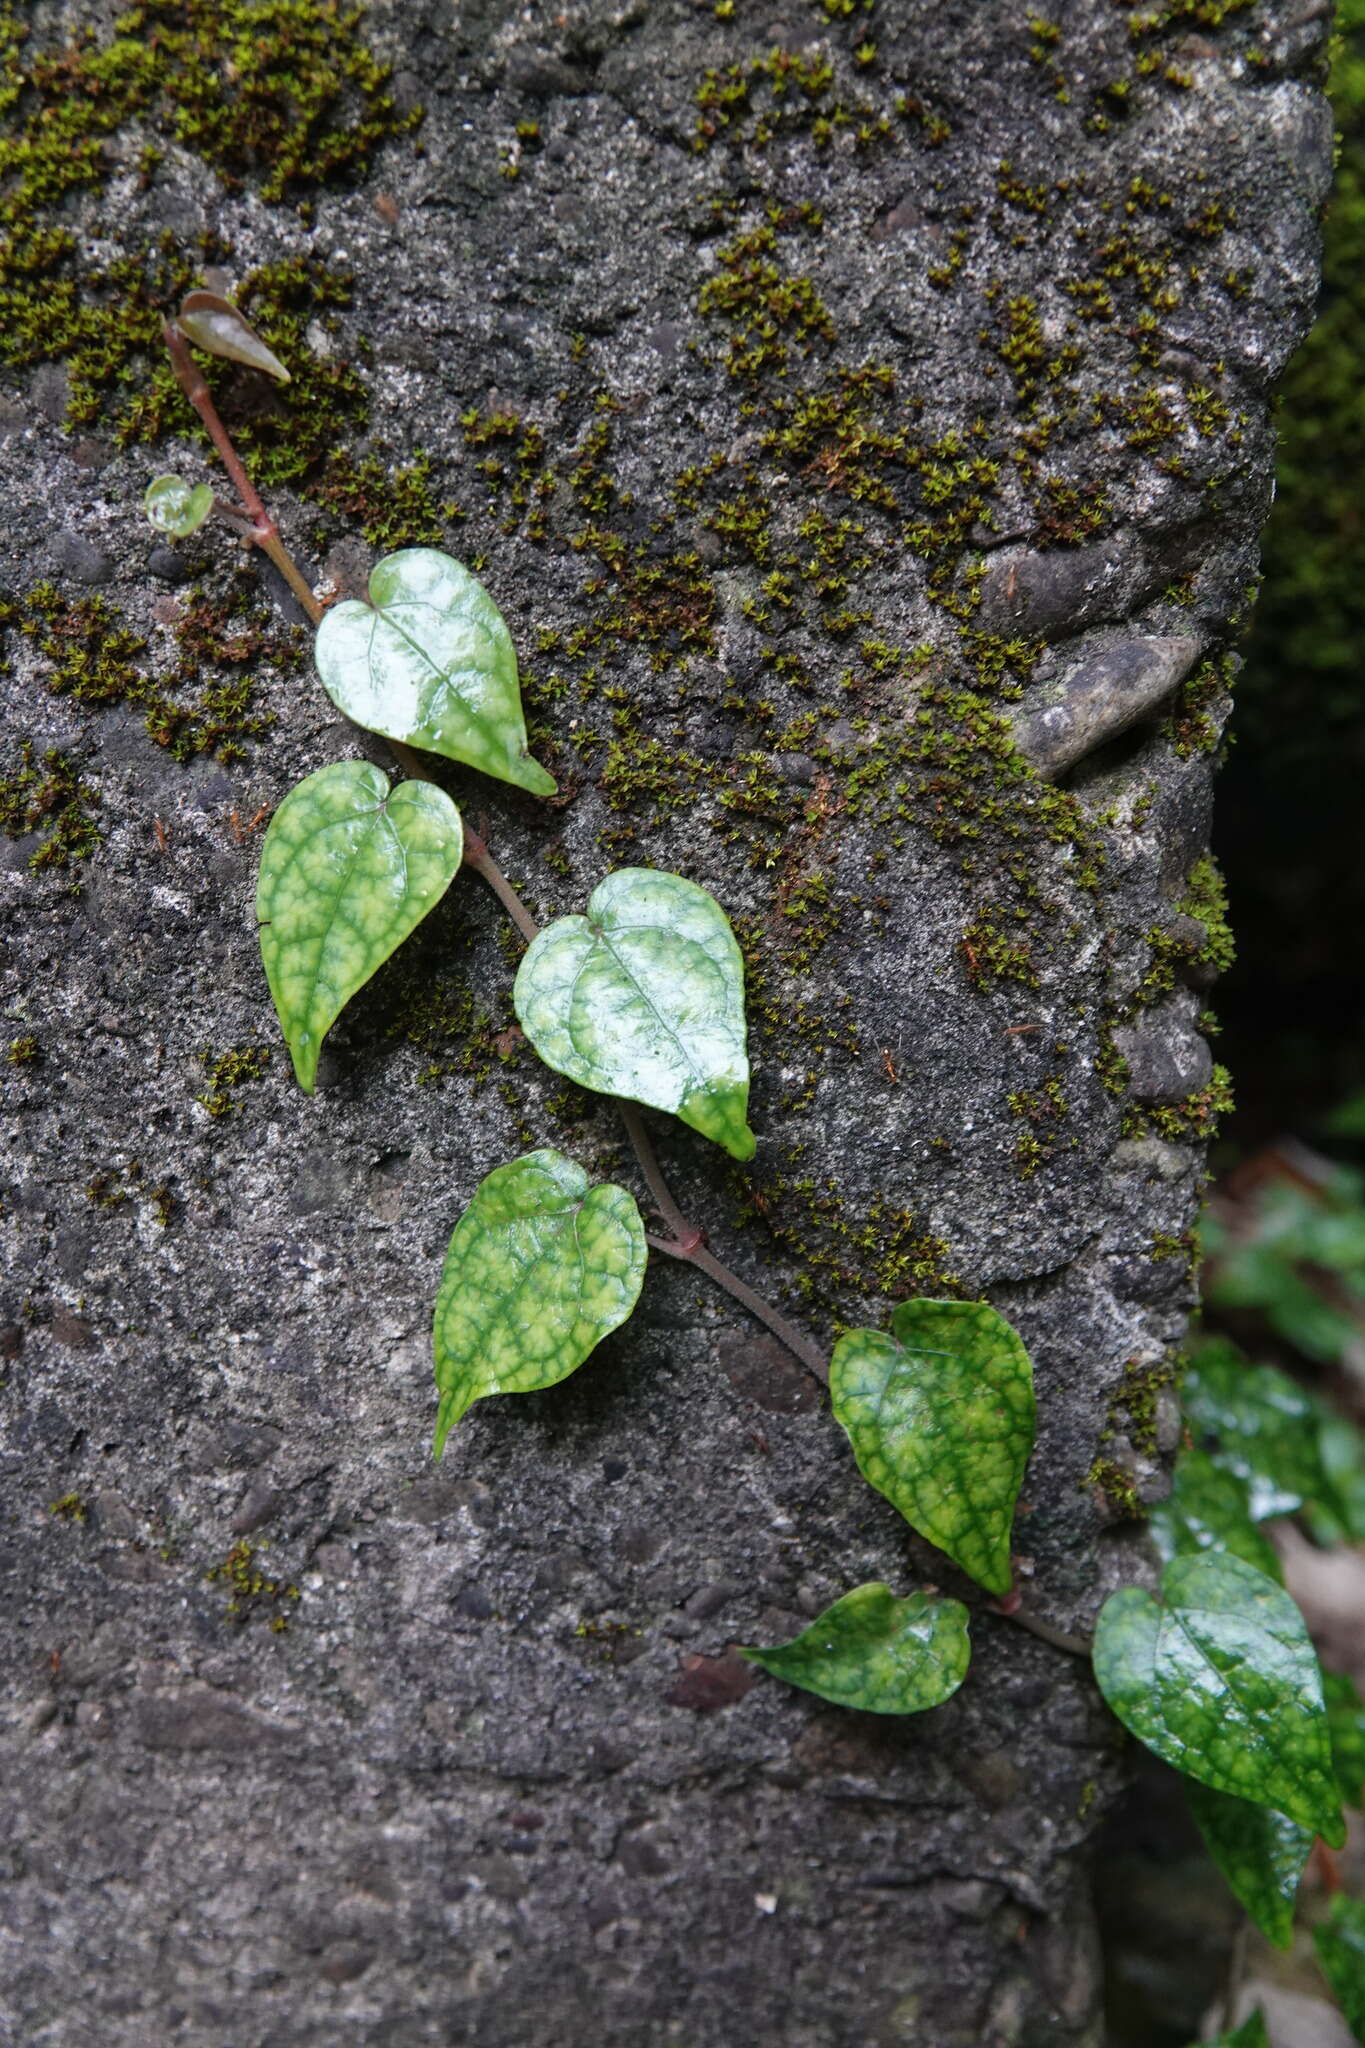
687	1242
263	530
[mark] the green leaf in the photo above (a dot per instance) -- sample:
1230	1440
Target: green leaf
1341	1951
1208	1509
540	1269
873	1651
1346	1720
1223	1682
175	507
941	1415
1251	2034
644	997
214	324
347	870
1261	1854
429	661
1258	1424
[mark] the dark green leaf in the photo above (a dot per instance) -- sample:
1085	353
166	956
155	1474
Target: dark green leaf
214	324
347	870
644	997
1341	1951
1222	1682
540	1268
1257	1423
1208	1509
430	661
873	1651
940	1414
175	507
1261	1854
1346	1720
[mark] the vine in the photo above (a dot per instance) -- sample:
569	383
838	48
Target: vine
642	999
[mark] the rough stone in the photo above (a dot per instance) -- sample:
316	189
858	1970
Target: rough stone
1107	694
76	556
1167	1057
317	1834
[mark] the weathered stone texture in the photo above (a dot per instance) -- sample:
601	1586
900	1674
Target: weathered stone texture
479	1790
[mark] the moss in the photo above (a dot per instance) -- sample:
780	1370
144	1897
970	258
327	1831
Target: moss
392	507
1118	1487
70	1508
251	1591
1172	953
221	642
282	91
993	954
1193	1121
767	311
50	796
24	1052
1195	722
235	1068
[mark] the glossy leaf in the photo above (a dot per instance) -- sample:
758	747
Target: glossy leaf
347	870
1346	1720
873	1651
644	997
1261	1854
1208	1509
540	1268
430	661
214	324
940	1414
1222	1681
1256	1423
175	507
1341	1951
1251	2034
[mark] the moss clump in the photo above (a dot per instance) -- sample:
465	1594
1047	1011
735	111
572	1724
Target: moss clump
220	644
843	1257
70	1508
280	89
251	1591
24	1052
50	796
228	1070
1172	953
393	508
993	954
1119	1489
767	311
1193	1121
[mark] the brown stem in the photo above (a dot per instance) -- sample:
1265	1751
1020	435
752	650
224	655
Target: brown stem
692	1251
687	1242
477	856
263	529
1075	1646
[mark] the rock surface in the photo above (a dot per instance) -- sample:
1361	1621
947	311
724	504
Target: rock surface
732	346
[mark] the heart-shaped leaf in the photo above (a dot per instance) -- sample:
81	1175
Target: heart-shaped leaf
873	1651
1222	1682
1346	1719
1341	1951
540	1268
347	870
214	324
1208	1509
940	1414
1261	1854
644	997
175	507
430	661
1257	1423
